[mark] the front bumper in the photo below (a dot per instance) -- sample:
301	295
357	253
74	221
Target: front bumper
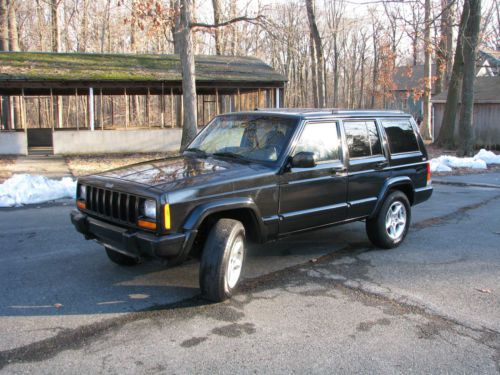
133	242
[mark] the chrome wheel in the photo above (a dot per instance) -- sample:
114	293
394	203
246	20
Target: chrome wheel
235	262
395	220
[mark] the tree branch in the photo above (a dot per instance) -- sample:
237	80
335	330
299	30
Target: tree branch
226	23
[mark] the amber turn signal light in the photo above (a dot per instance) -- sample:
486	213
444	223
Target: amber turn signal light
146	224
81	205
166	216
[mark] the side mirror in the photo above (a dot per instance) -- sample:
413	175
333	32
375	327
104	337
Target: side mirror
303	159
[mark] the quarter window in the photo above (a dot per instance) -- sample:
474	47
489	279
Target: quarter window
320	138
362	138
401	135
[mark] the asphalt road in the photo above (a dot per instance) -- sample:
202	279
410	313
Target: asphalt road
429	306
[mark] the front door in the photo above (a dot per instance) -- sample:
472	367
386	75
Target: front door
312	197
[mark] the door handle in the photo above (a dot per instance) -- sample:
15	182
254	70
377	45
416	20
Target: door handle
381	164
336	170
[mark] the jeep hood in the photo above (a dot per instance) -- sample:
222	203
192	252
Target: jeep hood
185	171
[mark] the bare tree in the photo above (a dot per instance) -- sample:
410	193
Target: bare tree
4	26
318	48
444	59
13	33
446	137
426	127
470	43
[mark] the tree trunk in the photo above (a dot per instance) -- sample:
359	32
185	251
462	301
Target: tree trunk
189	126
4	26
426	128
471	40
443	55
218	32
314	73
319	52
13	33
335	71
446	136
54	19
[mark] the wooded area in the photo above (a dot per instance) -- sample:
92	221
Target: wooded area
333	53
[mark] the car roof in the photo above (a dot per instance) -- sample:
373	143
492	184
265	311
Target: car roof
307	113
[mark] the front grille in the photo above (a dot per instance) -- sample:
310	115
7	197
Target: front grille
114	205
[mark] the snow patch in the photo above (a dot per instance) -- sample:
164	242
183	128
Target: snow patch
27	189
481	160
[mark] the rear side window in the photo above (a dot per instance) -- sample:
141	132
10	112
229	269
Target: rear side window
362	138
401	136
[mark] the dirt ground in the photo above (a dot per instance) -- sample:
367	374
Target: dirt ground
87	164
5	162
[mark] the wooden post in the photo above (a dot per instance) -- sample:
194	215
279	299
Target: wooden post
162	104
23	110
112	98
172	107
126	107
203	109
239	100
51	111
216	101
101	111
90	105
12	117
258	98
40	118
76	109
147	108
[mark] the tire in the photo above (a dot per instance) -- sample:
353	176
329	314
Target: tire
121	259
389	228
222	260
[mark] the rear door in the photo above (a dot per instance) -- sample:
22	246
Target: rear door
312	197
368	165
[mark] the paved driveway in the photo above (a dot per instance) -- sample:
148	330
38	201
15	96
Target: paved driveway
431	305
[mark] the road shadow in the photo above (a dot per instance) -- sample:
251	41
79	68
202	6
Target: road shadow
75	277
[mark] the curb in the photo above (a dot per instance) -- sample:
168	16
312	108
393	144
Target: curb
465	184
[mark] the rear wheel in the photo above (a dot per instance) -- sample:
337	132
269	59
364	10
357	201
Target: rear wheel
389	228
120	258
222	260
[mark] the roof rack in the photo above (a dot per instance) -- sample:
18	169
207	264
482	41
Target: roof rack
334	111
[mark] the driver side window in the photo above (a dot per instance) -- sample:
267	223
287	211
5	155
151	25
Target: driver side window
321	138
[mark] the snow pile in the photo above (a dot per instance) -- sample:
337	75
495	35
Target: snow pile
27	189
488	156
481	160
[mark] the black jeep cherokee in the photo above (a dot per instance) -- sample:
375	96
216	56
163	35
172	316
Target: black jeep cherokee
258	176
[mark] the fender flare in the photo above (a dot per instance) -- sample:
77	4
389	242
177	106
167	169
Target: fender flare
201	212
388	185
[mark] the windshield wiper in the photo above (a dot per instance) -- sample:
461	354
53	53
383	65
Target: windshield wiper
197	151
229	154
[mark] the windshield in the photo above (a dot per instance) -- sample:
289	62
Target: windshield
252	137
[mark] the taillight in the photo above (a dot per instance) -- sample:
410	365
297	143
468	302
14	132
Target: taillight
428	173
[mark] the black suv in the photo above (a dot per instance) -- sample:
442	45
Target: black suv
258	176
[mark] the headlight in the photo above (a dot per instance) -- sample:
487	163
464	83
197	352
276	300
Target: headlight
150	209
82	194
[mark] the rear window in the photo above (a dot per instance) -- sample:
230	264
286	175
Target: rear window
401	135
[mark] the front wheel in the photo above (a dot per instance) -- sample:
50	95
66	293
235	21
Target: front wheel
389	228
222	260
